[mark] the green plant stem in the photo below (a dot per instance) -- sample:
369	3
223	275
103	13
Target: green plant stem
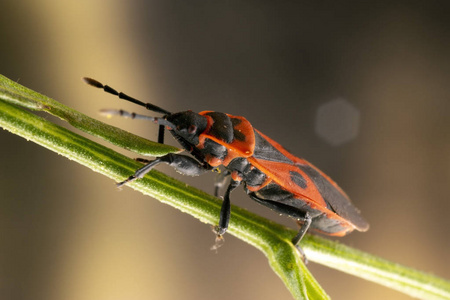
272	239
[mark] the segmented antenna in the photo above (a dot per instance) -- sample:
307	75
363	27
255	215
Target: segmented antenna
110	90
161	121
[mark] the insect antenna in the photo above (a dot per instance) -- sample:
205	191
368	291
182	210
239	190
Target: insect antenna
162	122
110	90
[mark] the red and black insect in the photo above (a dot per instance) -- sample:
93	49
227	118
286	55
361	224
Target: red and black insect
269	173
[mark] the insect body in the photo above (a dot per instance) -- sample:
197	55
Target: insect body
269	173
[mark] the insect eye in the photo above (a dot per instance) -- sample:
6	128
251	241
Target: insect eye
192	129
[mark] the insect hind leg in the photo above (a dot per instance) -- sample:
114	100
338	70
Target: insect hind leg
307	220
303	229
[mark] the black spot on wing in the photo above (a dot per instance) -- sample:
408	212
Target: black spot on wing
336	201
236	121
266	151
298	179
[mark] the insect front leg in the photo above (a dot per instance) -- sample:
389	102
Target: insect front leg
183	164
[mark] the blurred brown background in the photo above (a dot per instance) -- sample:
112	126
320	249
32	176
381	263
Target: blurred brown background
68	233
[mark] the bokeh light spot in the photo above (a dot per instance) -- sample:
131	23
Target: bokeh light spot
337	122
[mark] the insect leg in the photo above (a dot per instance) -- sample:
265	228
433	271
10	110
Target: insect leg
219	182
301	233
225	210
184	164
303	229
